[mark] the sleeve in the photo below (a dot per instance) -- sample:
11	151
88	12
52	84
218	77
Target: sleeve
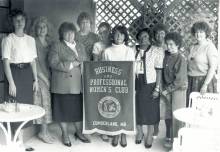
34	49
158	63
212	54
55	62
132	54
180	79
95	49
6	48
105	55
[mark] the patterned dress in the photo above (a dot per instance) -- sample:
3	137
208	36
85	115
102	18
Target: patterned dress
88	41
43	97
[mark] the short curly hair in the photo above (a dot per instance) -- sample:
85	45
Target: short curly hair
159	27
105	24
83	16
123	30
147	30
201	25
65	27
175	37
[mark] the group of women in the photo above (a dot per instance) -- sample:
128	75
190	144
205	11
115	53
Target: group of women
52	72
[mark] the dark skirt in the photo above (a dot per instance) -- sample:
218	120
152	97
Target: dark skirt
195	84
67	107
23	79
147	108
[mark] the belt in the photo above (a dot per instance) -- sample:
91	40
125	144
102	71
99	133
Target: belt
20	65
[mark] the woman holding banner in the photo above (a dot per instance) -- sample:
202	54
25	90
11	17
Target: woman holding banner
119	51
104	30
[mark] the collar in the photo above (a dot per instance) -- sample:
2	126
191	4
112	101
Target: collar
71	45
118	45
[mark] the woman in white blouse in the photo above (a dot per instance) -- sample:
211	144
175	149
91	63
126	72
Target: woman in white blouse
119	51
19	54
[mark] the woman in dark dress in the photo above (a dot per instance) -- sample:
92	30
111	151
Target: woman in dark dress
147	84
65	59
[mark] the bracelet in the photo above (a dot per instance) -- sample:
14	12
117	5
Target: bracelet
157	89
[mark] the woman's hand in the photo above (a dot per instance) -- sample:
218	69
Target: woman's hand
156	93
76	63
203	89
164	93
12	89
35	86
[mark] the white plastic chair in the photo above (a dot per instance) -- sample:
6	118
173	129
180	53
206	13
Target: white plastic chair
207	104
201	138
197	140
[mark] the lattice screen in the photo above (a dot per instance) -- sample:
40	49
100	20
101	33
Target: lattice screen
178	15
116	12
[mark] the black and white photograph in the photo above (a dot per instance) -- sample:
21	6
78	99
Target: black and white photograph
109	75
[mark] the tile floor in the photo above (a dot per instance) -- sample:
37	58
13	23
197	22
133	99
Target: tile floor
97	144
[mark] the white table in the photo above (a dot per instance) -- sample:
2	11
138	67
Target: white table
195	117
203	134
25	114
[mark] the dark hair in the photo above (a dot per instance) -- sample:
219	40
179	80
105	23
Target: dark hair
201	25
104	24
14	13
147	30
83	16
122	29
175	37
159	27
65	27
